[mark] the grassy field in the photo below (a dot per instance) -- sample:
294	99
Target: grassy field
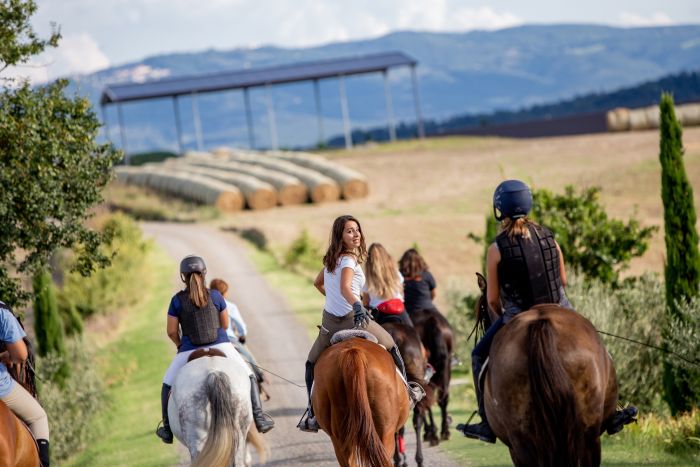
306	303
133	355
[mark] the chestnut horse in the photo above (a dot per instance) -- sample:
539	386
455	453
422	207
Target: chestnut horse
360	401
17	445
550	389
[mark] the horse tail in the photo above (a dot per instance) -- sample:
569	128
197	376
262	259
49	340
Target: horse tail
361	440
558	429
255	438
222	438
439	353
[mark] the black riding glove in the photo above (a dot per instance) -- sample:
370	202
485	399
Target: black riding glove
241	339
361	316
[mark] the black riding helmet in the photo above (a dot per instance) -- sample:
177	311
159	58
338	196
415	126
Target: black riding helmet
513	199
190	264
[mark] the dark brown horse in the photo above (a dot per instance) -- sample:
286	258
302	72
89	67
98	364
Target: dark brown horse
415	358
360	401
550	389
436	335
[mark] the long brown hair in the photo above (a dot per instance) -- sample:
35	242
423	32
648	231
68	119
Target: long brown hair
336	247
517	227
412	264
382	275
198	292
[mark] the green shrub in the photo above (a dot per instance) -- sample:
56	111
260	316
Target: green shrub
148	157
48	325
304	255
72	321
460	314
117	285
634	311
73	403
679	435
683	338
592	244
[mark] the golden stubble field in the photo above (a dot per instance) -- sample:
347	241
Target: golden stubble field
434	192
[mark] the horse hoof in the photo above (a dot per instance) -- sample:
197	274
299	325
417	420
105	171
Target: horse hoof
445	436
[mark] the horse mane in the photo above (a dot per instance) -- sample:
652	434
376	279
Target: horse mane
362	440
556	421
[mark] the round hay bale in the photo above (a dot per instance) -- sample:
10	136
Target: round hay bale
290	190
352	183
638	119
258	194
321	188
618	119
689	114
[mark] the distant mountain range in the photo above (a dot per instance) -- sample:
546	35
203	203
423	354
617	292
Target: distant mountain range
476	72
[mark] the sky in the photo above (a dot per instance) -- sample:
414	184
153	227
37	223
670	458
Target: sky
98	34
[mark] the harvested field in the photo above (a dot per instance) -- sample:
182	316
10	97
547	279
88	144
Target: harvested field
434	192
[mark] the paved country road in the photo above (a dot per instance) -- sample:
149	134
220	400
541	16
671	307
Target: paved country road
277	339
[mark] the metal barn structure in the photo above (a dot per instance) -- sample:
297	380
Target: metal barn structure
174	88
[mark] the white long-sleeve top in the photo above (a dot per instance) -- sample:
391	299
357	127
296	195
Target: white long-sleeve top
236	326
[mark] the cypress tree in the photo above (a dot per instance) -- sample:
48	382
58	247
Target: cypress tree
682	272
48	325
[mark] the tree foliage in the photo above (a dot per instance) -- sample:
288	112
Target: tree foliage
682	270
592	243
51	169
18	41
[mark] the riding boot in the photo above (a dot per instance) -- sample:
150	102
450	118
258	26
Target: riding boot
480	430
43	452
164	431
415	391
308	420
263	421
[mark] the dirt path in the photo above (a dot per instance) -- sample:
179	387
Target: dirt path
277	339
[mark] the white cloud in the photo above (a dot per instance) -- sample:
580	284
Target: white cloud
658	18
75	54
442	15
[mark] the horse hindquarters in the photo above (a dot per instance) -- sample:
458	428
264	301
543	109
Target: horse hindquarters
369	449
558	437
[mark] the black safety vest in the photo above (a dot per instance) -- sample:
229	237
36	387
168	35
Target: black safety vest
528	272
200	325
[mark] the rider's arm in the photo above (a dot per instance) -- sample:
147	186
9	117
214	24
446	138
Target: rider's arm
236	318
318	283
346	285
365	299
562	269
223	319
17	351
493	289
173	330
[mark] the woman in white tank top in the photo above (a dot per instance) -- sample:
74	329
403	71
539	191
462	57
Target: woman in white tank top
341	281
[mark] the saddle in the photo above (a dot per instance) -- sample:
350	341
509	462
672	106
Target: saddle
346	334
206	352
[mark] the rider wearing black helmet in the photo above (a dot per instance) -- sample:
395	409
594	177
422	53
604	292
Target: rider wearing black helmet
525	267
197	318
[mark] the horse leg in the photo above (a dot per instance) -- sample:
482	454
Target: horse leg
592	454
446	419
430	431
341	456
417	420
400	451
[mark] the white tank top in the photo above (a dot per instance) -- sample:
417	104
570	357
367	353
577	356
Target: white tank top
335	302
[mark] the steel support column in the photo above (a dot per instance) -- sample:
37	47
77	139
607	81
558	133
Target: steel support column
197	122
105	123
389	106
346	114
122	131
319	113
271	117
416	100
249	118
178	126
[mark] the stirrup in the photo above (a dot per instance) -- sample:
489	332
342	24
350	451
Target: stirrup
164	433
416	393
429	372
308	423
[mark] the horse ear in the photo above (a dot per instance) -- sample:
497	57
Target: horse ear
481	281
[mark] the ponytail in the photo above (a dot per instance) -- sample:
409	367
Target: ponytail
517	227
198	293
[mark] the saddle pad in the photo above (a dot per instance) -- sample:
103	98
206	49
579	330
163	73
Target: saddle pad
346	334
